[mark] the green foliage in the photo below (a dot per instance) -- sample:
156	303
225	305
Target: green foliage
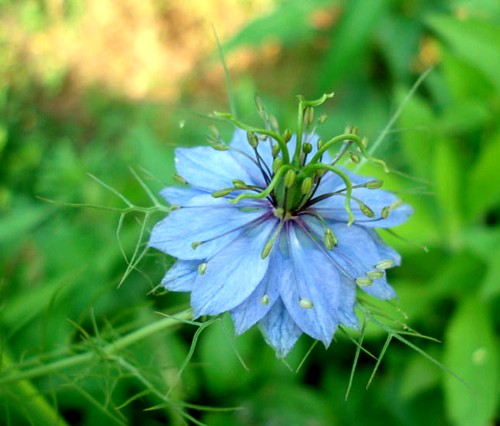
86	336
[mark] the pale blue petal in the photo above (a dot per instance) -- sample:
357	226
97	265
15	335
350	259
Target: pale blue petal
252	309
346	264
376	199
279	329
242	151
208	169
232	274
179	196
314	277
181	276
346	312
357	246
380	289
384	250
203	218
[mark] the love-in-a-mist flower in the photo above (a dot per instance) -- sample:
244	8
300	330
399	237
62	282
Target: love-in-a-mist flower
273	231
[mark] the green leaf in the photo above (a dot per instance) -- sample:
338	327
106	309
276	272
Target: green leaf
491	283
351	40
483	190
21	219
463	80
287	24
417	138
470	351
464	116
447	183
476	41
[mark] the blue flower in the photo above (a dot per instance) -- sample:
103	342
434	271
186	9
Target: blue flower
271	230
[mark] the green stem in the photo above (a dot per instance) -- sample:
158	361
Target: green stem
38	410
268	190
109	349
300	124
270	133
320	166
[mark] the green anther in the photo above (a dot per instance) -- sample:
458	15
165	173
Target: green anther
330	239
202	268
384	214
269	245
319	144
270	187
196	244
375	275
180	179
309	116
322	118
307	148
219	146
287	135
276	150
261	132
252	139
355	158
384	264
364	282
367	211
277	163
374	184
396	204
306	186
222	192
267	249
238	183
305	303
265	300
274	122
259	104
290	177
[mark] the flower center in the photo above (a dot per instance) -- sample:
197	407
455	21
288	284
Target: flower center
298	166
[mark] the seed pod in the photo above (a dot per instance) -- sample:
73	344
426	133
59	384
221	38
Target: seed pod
290	177
306	186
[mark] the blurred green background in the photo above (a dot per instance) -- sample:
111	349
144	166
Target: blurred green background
110	88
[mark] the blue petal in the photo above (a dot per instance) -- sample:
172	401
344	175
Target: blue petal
384	250
242	151
252	309
203	218
358	248
312	277
346	311
376	199
279	329
179	196
208	169
181	276
232	274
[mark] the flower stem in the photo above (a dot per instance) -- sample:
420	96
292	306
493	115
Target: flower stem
107	350
33	402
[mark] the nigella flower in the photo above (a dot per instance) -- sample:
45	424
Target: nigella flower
271	230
